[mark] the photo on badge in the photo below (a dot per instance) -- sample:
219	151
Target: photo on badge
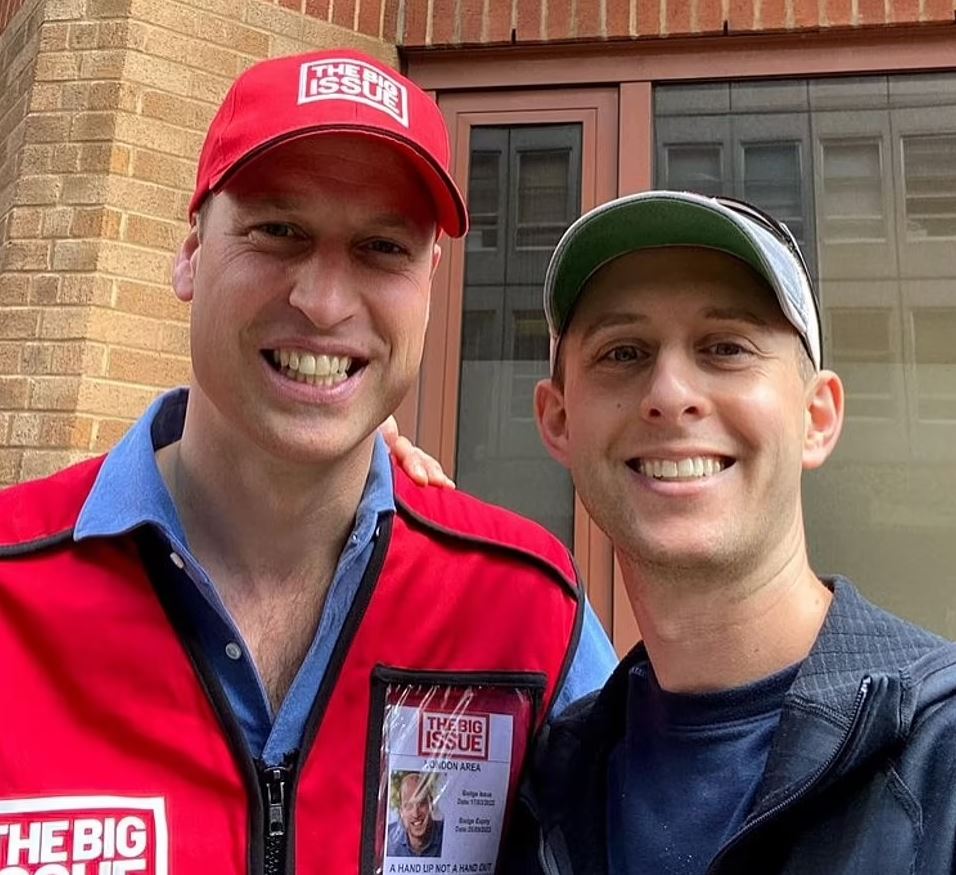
417	826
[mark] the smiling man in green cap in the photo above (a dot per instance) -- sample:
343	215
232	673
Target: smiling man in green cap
771	721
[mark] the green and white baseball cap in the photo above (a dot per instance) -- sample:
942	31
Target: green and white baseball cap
655	219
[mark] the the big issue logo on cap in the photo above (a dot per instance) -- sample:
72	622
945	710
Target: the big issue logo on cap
354	80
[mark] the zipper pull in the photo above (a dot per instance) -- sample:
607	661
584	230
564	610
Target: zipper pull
274	781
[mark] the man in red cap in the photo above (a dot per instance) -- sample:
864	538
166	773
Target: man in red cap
220	640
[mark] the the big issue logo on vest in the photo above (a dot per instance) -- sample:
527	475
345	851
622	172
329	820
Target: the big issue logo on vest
83	835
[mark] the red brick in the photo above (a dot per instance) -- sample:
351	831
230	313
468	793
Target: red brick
649	17
470	20
839	12
740	16
443	22
317	9
806	13
710	17
773	15
872	12
370	16
390	22
498	23
416	24
619	18
295	5
904	10
938	10
528	25
343	13
558	19
587	20
678	17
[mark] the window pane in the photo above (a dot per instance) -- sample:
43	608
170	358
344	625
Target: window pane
934	332
772	181
694	168
529	188
852	191
860	345
483	200
930	179
543	202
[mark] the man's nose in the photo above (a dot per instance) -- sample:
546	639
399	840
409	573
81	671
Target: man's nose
322	289
675	391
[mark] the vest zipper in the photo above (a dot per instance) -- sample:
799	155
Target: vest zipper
275	780
802	791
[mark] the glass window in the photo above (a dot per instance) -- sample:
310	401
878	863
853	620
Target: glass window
483	198
852	206
693	167
772	177
528	185
934	332
929	177
866	168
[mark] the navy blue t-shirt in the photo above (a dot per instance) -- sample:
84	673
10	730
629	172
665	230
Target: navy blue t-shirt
682	780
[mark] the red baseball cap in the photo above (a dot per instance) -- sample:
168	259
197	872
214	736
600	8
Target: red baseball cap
338	91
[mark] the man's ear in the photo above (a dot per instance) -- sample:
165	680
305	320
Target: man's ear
436	257
184	268
552	420
823	418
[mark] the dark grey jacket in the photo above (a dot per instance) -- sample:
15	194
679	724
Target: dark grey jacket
861	778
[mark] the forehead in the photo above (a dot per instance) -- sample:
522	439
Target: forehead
410	786
684	281
335	167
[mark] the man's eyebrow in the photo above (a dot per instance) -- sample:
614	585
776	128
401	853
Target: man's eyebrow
612	320
253	202
292	203
392	220
734	314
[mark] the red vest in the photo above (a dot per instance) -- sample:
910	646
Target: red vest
118	755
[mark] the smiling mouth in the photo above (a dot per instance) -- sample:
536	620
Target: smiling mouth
316	370
680	470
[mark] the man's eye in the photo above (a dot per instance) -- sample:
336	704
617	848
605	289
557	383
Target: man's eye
386	247
726	349
622	354
277	229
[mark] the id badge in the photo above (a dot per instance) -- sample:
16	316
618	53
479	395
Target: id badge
445	755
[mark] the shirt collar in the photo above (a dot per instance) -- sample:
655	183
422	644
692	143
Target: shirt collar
129	491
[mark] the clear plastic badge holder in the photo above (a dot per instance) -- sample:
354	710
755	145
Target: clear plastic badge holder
450	758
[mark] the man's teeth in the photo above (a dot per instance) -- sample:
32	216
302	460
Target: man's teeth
681	469
316	370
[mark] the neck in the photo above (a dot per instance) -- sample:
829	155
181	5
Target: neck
734	630
260	518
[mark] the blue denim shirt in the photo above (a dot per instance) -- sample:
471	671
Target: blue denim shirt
400	846
129	492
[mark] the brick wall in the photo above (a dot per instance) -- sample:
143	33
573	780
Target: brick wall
102	115
18	322
470	22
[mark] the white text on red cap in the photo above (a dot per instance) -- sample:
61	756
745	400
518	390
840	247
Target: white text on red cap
356	81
